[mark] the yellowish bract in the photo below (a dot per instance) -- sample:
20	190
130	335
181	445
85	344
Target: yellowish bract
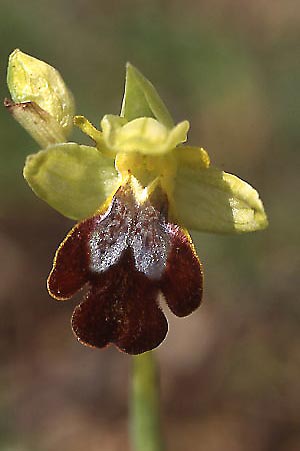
32	81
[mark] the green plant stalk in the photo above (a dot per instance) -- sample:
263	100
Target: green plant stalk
145	420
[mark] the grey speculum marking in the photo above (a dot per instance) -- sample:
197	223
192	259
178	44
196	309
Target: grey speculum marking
128	224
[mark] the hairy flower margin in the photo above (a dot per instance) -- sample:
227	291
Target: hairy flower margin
136	191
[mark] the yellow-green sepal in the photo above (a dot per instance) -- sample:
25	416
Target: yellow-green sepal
73	179
144	134
32	80
210	200
142	100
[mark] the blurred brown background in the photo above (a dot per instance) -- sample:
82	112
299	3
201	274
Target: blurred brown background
231	372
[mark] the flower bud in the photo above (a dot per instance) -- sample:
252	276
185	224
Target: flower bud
33	81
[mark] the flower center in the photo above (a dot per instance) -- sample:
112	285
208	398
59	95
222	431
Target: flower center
147	168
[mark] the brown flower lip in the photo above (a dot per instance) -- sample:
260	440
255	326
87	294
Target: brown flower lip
127	256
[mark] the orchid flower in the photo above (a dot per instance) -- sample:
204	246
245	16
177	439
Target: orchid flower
135	193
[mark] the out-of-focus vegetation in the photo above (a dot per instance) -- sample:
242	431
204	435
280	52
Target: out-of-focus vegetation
231	371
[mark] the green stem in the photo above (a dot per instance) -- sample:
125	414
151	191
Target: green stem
145	411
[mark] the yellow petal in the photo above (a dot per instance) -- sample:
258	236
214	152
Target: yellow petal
88	128
192	157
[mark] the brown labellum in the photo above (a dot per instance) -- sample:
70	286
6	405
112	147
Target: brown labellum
127	256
